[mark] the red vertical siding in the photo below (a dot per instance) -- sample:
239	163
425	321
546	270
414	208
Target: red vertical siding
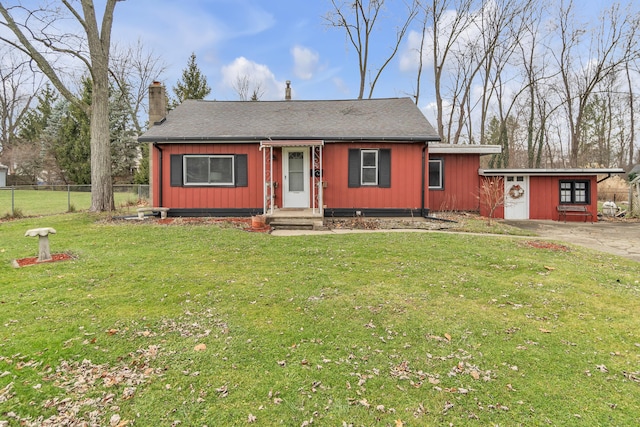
405	191
545	197
210	197
461	183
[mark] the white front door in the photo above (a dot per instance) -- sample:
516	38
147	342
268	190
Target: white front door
516	197
295	177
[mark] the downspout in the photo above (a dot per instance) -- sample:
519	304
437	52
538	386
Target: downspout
423	186
159	174
604	179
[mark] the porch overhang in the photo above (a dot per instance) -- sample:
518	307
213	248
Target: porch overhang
292	143
316	146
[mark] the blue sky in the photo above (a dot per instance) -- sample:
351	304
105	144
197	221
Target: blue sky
274	40
271	41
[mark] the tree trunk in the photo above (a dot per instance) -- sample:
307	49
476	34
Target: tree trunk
99	41
101	183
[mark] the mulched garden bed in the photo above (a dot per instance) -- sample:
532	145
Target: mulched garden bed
25	262
541	244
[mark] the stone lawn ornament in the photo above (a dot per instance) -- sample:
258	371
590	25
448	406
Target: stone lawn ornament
44	253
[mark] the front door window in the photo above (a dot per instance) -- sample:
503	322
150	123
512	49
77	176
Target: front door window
296	171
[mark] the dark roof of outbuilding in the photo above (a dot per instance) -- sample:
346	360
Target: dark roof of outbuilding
393	119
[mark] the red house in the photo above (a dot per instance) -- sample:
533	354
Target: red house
319	158
306	160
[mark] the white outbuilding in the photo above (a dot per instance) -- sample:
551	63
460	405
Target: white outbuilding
3	175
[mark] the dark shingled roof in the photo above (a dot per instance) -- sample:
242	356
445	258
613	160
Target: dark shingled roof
394	119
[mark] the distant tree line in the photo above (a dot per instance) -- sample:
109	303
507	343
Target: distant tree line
552	89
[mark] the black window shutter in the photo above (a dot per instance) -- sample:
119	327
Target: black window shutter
176	170
354	168
384	168
241	171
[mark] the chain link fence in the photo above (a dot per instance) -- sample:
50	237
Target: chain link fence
34	200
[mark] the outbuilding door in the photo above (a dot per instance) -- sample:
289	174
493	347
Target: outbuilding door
295	177
516	197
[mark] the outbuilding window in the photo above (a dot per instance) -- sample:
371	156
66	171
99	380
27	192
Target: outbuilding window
436	174
370	168
574	192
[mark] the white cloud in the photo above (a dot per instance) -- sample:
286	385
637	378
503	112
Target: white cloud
341	85
259	77
410	56
305	62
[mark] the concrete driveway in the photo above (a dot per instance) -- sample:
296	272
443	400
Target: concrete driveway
614	237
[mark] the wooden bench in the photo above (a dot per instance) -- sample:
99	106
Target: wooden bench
564	210
162	211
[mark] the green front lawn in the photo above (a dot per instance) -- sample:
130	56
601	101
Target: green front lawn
206	324
28	202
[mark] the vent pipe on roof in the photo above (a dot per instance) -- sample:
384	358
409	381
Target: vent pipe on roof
287	91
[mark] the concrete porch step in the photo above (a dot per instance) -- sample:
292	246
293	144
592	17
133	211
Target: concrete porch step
293	223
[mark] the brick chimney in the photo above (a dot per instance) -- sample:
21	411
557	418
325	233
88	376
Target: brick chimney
287	91
157	113
157	103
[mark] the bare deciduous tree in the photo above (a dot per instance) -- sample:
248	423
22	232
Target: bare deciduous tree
632	119
358	18
134	68
611	44
448	21
37	35
492	195
18	87
247	89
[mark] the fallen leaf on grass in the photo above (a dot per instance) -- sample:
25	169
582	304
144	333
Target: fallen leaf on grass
223	391
544	331
448	337
399	423
200	347
633	376
549	268
251	418
475	375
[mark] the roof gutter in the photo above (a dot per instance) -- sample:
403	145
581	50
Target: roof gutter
604	179
240	139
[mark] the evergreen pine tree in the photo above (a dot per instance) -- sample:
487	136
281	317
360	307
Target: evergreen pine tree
193	84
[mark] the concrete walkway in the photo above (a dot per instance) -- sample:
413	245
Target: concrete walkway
614	237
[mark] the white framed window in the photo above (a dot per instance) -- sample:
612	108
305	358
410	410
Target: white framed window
369	167
208	170
436	174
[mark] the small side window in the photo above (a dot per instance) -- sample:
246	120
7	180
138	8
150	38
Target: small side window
436	174
369	162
